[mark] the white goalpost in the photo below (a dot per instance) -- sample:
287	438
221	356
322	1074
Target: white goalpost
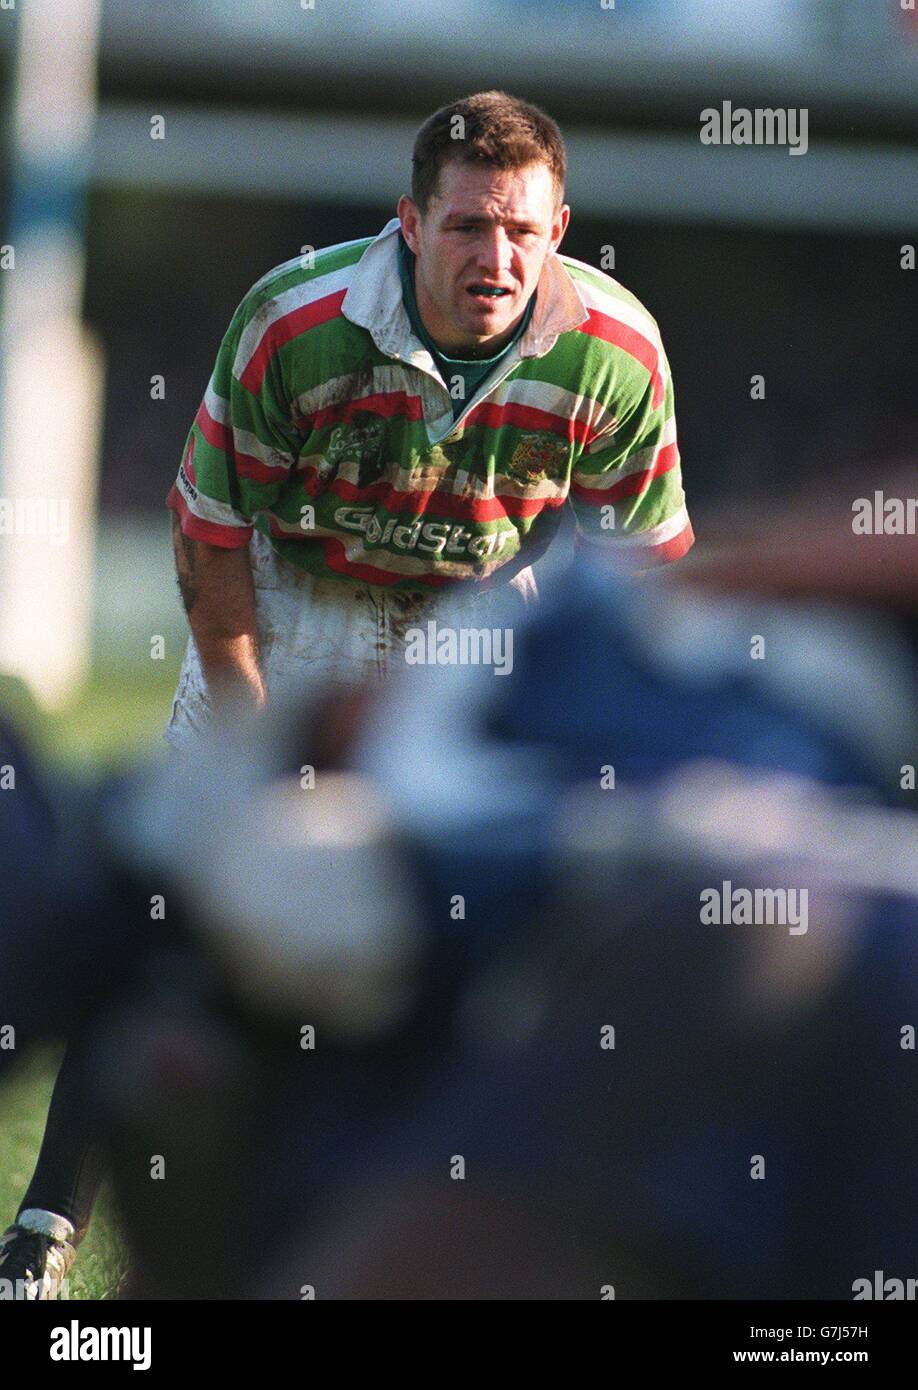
51	406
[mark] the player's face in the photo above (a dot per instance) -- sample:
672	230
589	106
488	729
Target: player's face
480	250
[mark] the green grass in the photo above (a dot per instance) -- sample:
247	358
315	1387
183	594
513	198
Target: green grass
117	718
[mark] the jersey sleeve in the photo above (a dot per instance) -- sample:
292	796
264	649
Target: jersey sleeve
242	444
626	487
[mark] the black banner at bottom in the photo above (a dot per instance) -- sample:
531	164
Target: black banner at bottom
161	1338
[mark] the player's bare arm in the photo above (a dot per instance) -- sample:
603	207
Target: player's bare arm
219	598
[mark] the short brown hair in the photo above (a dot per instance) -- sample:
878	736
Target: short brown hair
496	129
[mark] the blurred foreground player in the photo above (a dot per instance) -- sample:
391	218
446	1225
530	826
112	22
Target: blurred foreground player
584	1167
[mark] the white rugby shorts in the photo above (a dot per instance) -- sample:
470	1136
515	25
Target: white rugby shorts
314	633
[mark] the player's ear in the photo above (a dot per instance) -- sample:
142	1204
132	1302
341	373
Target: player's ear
559	226
409	216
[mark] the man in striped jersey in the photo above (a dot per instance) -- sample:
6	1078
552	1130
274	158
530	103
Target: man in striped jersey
392	422
403	417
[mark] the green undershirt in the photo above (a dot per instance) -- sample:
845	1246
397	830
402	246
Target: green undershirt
472	371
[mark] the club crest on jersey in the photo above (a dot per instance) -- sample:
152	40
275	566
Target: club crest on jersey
538	458
359	442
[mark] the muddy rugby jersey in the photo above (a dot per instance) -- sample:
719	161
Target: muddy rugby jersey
327	426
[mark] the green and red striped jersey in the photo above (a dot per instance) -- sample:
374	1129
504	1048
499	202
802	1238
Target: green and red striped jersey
327	426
